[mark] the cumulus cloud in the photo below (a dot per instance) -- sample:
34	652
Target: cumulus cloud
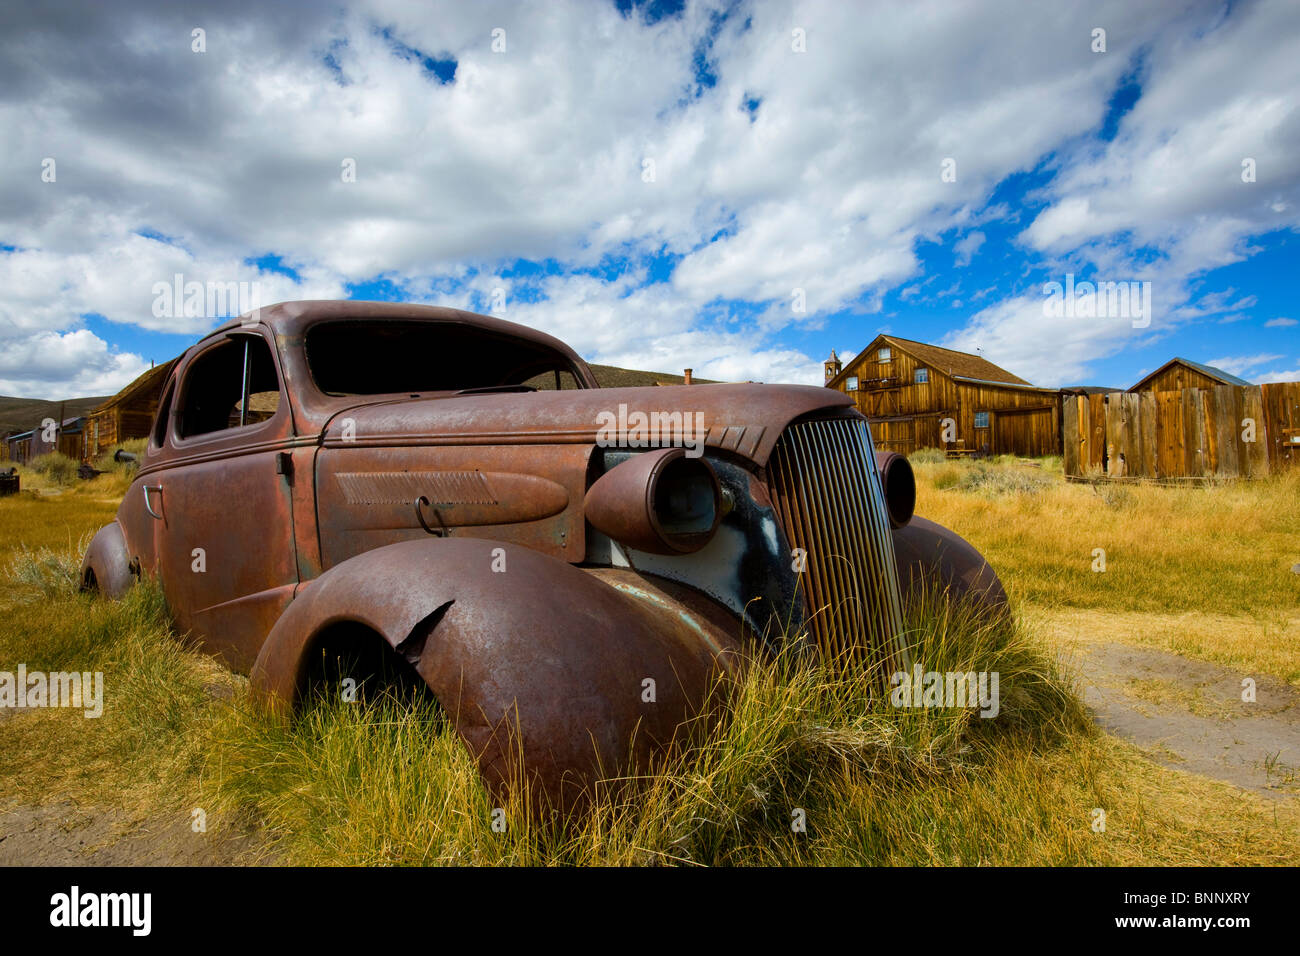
598	145
1241	364
964	249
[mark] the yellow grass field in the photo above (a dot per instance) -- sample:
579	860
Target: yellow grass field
1204	573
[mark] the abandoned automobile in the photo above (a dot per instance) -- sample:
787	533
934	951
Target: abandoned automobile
423	490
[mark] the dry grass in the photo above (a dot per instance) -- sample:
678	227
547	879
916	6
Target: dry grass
56	474
388	782
1200	571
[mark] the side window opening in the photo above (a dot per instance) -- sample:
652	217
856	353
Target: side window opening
159	434
231	385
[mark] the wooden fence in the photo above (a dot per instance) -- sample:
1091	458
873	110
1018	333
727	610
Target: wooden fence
1190	433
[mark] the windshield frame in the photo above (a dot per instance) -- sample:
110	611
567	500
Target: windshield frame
561	360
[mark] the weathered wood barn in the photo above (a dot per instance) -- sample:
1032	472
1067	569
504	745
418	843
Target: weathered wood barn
909	390
1179	373
126	415
22	447
1185	421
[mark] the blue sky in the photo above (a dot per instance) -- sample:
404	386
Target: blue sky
661	184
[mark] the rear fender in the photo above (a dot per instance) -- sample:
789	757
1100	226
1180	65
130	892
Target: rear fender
107	564
539	665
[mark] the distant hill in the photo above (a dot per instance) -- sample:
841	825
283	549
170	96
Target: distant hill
611	376
22	414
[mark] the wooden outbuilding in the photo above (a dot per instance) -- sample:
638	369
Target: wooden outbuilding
128	414
1180	373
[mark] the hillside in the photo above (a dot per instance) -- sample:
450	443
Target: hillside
611	376
22	414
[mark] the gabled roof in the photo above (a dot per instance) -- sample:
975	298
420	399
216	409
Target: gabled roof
1218	374
155	376
960	365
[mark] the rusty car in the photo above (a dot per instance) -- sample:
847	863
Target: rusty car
566	568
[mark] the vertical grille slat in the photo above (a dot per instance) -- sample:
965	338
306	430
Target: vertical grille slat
829	499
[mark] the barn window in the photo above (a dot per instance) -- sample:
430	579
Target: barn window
981	419
883	355
921	376
851	383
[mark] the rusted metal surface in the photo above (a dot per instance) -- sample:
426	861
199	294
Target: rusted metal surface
540	664
899	485
828	493
627	503
930	554
388	513
106	565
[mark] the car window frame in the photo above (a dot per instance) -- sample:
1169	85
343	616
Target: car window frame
367	397
224	434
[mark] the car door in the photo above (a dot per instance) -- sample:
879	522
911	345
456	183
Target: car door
224	521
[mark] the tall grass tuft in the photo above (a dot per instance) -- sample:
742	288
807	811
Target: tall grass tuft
56	467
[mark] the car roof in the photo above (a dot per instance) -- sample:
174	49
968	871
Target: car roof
293	318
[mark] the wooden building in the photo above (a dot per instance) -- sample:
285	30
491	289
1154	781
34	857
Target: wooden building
920	396
67	438
1182	422
128	414
1180	373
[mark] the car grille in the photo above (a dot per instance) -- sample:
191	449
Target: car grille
827	493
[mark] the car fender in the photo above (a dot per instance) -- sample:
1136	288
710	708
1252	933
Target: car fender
108	560
540	666
928	553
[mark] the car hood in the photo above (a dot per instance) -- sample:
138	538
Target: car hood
746	419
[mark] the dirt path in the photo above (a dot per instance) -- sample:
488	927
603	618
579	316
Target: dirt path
64	834
1186	713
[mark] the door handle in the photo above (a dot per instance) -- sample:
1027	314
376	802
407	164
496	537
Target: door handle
147	506
421	503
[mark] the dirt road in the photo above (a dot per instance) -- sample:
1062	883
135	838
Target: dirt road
1184	713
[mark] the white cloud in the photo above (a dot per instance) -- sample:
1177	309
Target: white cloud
63	365
538	153
1241	364
964	249
1292	375
1280	323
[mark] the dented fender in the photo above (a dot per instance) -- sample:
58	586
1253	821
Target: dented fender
538	664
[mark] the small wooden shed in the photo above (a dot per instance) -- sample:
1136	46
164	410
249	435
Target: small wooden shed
128	414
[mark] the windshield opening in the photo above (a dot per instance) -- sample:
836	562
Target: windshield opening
387	357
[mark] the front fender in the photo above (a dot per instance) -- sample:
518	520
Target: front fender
929	554
540	665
